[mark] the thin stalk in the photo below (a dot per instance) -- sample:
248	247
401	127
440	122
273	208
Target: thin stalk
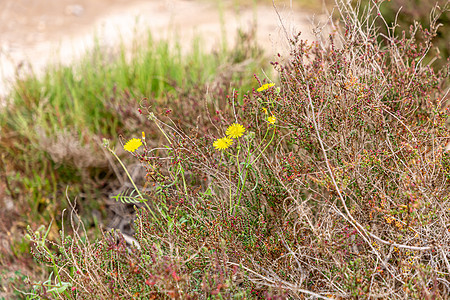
242	189
245	177
128	174
271	139
259	146
134	185
184	183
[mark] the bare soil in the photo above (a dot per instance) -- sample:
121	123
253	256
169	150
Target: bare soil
38	32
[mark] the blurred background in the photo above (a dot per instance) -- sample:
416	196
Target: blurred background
36	31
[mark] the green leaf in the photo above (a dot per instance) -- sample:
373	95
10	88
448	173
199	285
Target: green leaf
126	197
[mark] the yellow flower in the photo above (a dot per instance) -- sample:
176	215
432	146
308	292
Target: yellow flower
236	130
132	145
264	110
271	119
265	87
223	143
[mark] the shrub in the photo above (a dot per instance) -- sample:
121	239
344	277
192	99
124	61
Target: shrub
406	14
333	183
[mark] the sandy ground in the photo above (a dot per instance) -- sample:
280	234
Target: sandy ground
38	32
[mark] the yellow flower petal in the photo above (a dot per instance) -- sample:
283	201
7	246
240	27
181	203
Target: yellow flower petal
132	145
223	143
235	131
265	87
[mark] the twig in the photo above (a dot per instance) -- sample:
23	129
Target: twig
285	285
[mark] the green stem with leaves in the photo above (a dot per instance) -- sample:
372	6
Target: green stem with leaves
248	165
128	174
132	181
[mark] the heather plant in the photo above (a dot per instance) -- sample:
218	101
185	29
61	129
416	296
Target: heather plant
406	14
331	182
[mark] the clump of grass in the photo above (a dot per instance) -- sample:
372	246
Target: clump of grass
52	127
56	122
331	184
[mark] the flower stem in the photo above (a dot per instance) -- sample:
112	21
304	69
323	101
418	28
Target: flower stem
271	139
134	185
